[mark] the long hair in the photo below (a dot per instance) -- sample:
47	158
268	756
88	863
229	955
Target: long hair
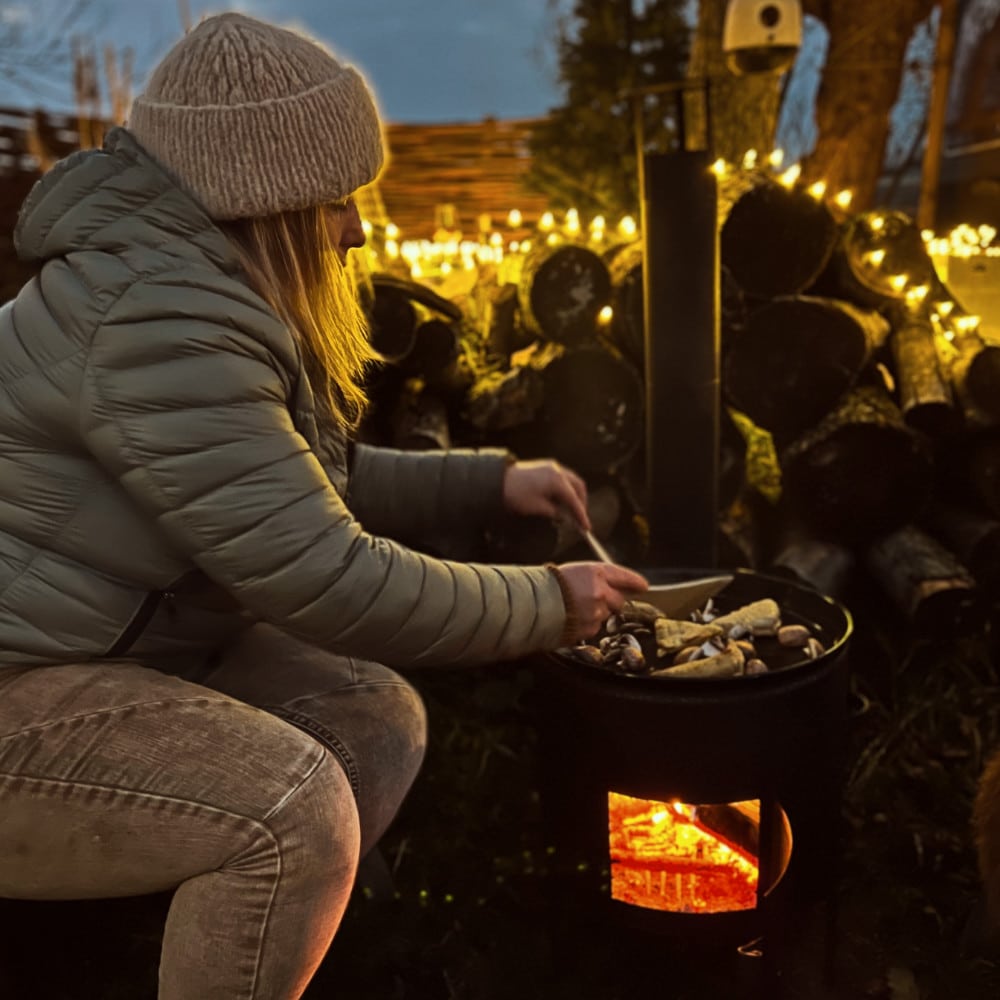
294	267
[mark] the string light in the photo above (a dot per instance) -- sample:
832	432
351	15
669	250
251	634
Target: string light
604	316
817	190
844	198
876	257
898	282
720	168
391	231
750	159
791	175
514	218
776	157
627	226
546	222
877	223
572	224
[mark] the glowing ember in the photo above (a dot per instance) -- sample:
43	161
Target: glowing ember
664	857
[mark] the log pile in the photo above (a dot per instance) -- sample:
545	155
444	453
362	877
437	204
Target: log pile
860	431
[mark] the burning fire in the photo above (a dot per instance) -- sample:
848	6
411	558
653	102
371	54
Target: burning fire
665	856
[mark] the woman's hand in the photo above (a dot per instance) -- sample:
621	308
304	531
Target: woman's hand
599	590
544	488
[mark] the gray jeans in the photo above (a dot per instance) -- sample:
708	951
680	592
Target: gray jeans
117	779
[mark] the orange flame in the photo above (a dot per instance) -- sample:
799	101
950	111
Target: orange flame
664	858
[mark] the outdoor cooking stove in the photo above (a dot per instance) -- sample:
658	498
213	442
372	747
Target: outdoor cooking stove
705	809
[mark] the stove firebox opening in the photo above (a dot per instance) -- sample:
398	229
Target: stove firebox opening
690	858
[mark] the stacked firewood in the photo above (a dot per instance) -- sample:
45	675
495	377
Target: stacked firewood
861	409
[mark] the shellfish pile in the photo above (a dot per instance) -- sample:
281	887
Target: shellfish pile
640	640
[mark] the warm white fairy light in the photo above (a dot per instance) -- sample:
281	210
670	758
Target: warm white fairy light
546	222
366	228
791	175
604	316
843	199
875	257
720	168
817	190
945	308
553	239
627	226
572	222
916	295
391	231
514	218
876	223
750	159
776	157
898	282
391	249
966	324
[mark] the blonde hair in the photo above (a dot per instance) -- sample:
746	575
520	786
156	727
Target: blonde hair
293	265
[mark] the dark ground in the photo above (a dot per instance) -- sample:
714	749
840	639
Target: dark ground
467	904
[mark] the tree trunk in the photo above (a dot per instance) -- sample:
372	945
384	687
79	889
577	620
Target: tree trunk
859	87
744	109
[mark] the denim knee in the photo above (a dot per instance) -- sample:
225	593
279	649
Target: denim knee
316	826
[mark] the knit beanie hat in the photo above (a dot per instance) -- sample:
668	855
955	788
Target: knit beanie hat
253	119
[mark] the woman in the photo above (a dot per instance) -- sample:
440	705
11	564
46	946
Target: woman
199	599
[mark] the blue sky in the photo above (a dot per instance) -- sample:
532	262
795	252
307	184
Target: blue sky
427	60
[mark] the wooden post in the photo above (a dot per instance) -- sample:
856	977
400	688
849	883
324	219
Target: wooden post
944	57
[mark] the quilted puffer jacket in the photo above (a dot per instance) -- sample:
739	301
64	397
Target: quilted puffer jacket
156	426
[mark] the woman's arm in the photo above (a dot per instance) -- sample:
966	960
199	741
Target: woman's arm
407	494
185	402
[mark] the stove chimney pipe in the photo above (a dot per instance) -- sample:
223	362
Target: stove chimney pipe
681	313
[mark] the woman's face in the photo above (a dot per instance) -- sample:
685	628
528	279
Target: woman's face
343	225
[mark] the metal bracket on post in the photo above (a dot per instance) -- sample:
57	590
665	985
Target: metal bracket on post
681	313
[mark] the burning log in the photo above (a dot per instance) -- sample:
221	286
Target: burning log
590	417
925	581
859	473
774	241
925	397
796	357
561	291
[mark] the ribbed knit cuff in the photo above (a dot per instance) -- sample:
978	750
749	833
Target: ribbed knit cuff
570	629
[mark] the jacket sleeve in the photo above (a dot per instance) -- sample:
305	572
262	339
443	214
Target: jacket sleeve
463	486
184	401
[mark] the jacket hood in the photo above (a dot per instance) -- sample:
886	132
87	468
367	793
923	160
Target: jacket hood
113	199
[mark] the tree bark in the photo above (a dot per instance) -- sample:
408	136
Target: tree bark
744	110
860	84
